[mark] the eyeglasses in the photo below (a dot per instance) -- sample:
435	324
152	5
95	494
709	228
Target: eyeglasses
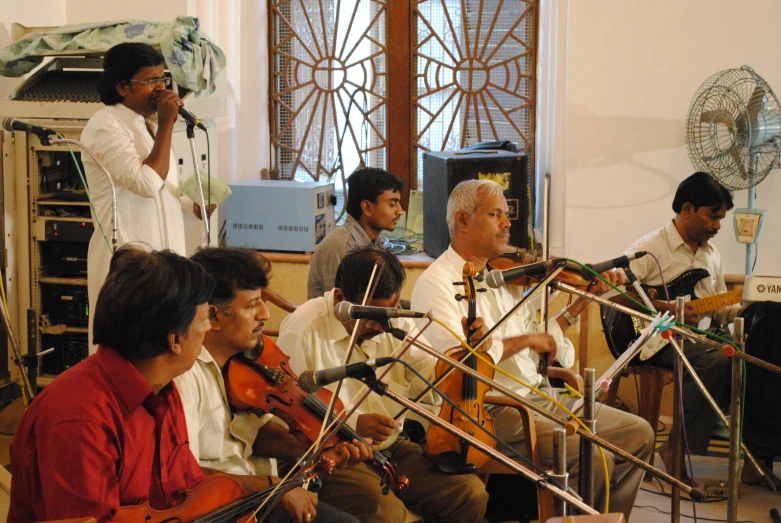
166	81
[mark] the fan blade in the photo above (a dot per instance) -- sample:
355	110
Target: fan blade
735	153
755	104
718	116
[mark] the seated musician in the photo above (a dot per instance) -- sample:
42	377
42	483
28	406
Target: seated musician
699	204
111	430
315	339
373	205
223	441
479	230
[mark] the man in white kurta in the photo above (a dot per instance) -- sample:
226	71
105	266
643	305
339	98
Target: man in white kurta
132	138
479	229
235	442
315	339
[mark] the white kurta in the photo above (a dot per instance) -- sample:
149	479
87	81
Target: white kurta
219	439
149	209
434	291
314	339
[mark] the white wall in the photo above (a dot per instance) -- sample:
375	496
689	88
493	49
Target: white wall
632	69
237	27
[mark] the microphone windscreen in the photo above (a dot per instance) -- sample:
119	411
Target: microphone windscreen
494	279
342	311
306	380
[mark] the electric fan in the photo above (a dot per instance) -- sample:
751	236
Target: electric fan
733	132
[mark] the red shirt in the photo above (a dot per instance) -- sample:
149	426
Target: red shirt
88	445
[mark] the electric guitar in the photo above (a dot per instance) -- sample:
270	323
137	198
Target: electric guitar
621	330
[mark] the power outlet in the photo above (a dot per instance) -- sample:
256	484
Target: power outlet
716	489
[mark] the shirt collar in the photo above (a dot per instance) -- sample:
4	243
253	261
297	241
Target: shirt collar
130	385
455	260
358	234
133	117
336	329
675	240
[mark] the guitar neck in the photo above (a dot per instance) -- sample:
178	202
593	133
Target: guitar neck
712	303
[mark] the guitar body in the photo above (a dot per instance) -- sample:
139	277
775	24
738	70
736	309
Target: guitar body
620	329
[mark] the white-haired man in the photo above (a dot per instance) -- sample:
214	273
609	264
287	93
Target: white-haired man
477	216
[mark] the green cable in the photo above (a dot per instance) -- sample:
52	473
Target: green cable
86	190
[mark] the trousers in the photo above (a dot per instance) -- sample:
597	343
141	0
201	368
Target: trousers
433	494
624	430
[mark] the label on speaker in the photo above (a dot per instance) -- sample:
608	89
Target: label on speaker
502	179
514	207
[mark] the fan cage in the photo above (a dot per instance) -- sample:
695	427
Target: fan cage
733	128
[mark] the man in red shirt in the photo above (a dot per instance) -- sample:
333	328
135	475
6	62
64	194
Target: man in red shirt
111	431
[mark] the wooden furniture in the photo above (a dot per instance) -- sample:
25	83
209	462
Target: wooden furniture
545	500
652	382
599	518
271	296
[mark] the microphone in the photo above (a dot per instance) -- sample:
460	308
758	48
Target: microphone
497	278
621	261
12	124
346	311
191	118
311	381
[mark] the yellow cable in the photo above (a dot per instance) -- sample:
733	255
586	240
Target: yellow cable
537	391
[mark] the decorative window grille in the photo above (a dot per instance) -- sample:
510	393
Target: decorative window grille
472	64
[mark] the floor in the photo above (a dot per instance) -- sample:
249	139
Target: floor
651	506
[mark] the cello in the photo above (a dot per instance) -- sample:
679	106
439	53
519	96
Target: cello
455	456
267	384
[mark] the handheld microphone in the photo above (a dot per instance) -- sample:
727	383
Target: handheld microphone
346	311
191	118
497	278
12	124
621	261
311	381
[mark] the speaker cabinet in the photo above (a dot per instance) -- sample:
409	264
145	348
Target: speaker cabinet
442	171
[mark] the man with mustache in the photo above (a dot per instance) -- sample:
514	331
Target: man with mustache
224	441
700	203
373	205
132	137
315	338
477	217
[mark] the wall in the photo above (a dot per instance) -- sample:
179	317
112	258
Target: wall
633	68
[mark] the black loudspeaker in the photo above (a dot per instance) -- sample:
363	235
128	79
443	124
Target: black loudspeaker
442	171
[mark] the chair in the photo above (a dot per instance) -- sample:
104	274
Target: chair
545	500
271	296
652	382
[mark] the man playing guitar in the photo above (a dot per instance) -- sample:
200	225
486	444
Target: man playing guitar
700	203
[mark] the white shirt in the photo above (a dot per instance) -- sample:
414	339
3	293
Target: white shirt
435	291
314	339
149	210
218	439
675	258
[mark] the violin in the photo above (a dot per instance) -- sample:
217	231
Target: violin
518	258
268	385
215	498
455	456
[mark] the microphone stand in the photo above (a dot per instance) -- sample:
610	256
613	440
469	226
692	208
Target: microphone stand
205	217
382	389
571	427
686	334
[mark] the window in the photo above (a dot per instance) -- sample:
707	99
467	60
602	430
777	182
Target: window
350	76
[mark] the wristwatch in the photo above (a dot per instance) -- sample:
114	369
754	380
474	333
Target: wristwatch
571	320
